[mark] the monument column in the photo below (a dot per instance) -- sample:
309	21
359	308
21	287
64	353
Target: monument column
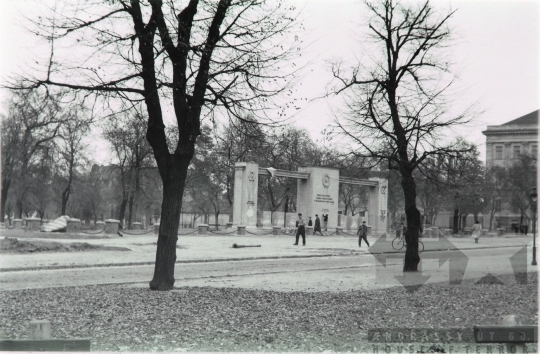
246	177
319	194
378	204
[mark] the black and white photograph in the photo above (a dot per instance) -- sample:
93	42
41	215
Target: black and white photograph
304	176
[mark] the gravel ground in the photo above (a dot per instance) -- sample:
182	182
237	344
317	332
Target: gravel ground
124	318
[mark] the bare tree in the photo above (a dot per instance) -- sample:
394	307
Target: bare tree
239	140
397	104
464	176
132	153
33	122
353	197
194	57
41	190
70	147
93	192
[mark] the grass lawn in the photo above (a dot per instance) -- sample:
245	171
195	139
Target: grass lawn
128	318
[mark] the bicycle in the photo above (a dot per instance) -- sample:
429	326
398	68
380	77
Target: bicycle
399	242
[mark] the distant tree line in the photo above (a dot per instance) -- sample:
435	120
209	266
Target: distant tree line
47	166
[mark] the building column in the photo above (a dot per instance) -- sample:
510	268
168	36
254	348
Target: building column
378	205
319	194
525	147
246	177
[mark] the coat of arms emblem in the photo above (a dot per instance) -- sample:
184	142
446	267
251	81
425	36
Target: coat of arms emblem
326	180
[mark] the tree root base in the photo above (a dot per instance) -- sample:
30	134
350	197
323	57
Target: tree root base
161	285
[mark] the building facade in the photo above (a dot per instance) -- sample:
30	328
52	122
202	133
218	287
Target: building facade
505	144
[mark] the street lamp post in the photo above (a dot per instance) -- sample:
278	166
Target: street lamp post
534	198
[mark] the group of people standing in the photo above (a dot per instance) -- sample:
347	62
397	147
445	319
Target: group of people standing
301	227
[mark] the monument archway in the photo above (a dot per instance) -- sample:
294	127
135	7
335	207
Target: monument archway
318	193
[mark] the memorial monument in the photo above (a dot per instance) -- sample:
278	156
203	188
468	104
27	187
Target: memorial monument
318	193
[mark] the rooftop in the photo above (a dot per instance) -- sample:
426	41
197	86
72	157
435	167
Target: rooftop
528	119
525	125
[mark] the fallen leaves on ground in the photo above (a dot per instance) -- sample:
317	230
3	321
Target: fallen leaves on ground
124	318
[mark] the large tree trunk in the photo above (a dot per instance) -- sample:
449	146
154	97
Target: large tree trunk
285	211
491	216
19	207
413	222
130	217
122	213
456	221
5	188
464	221
65	199
174	176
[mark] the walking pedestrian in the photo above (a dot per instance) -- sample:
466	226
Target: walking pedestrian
325	221
362	234
317	225
301	230
476	231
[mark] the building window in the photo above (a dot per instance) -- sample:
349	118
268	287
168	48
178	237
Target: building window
498	205
362	213
498	152
534	150
517	151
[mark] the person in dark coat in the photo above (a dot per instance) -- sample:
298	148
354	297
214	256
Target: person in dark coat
310	222
317	225
362	234
301	230
325	221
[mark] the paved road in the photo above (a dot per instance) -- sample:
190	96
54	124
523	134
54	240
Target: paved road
295	274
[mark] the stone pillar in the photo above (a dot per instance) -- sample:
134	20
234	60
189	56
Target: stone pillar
73	226
319	194
241	230
309	230
507	154
111	226
100	225
490	154
276	230
40	329
156	229
136	226
203	229
33	224
17	223
246	176
378	202
339	230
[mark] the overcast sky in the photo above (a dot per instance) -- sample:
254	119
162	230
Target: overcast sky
496	52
